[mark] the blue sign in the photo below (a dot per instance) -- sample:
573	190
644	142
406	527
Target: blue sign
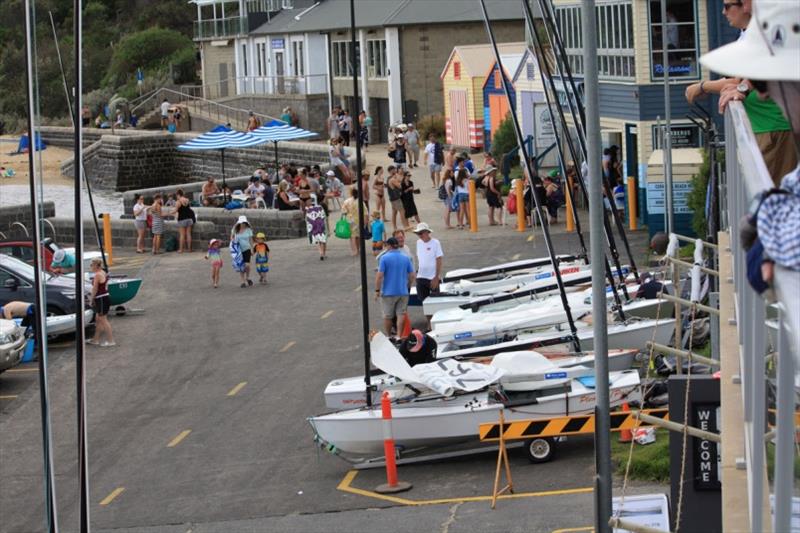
139	75
278	44
544	275
465	335
555	375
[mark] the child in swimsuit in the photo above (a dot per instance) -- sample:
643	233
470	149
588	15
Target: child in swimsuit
378	230
216	260
261	255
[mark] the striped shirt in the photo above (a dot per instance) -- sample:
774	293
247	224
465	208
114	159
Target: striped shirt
779	223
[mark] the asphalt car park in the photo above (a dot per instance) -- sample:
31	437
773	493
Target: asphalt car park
197	416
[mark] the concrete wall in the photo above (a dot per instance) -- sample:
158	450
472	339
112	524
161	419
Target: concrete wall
212	57
424	51
23	214
311	109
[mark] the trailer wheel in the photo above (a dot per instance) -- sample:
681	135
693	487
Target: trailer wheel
540	449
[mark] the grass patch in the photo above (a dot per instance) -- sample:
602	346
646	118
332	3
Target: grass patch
648	463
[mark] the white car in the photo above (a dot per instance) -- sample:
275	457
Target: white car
12	344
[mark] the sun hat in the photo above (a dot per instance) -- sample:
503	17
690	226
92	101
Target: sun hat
242	220
422	226
400	135
59	255
416	340
260	235
330	173
770	46
212	241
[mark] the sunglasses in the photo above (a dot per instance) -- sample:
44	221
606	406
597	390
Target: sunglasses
727	6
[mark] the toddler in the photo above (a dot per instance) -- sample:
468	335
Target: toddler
378	233
216	260
261	255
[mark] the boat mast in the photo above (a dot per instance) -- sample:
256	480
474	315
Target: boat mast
526	157
40	337
80	334
362	252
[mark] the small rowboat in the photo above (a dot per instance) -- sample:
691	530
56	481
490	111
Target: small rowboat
122	289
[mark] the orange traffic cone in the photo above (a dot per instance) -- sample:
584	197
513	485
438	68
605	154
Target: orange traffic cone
625	435
406	326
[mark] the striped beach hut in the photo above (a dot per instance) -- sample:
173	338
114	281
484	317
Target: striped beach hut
495	103
463	79
532	107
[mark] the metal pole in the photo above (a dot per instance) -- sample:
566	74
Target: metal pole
40	337
755	315
667	145
784	446
80	333
362	251
539	208
602	439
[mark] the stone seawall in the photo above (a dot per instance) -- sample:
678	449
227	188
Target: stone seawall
24	215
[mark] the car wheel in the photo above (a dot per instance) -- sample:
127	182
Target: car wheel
540	449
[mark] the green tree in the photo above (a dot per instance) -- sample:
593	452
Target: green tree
155	50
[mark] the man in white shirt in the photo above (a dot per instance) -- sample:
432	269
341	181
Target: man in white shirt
429	264
434	157
164	113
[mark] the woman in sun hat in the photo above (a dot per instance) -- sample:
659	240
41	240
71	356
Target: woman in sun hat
241	249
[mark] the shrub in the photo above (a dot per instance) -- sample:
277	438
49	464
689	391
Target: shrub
504	140
696	200
431	124
153	49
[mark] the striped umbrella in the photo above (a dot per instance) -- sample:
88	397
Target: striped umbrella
221	138
277	131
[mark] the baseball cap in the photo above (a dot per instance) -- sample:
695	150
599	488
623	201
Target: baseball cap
393	242
330	173
59	255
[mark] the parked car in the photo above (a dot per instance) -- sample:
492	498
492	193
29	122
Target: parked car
16	283
23	250
12	344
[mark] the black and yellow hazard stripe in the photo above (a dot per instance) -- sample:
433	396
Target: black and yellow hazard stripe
564	425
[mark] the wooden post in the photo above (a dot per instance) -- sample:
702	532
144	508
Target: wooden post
633	208
107	238
518	192
502	460
473	207
568	196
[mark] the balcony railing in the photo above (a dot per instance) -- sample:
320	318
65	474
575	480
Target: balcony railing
220	28
307	85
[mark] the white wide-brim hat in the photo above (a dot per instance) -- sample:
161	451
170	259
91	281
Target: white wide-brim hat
422	226
242	220
770	48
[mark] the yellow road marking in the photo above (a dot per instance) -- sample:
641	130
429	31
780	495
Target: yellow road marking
288	345
357	289
515	257
530	238
177	440
345	486
327	314
16	370
8	397
234	391
114	493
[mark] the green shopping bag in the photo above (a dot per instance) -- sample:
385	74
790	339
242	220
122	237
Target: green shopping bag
342	229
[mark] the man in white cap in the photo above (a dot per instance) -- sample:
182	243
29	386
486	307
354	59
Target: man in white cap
769	56
62	263
334	184
429	264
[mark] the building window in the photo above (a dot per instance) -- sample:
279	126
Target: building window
298	67
498	81
376	58
681	33
615	52
456	70
288	4
244	60
343	60
257	6
529	70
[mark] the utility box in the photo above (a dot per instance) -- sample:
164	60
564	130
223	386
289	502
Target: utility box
702	490
686	163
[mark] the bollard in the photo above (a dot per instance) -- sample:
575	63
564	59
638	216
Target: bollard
406	330
391	485
632	201
626	435
107	238
570	215
520	194
473	206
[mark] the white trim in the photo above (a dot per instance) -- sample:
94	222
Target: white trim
362	52
394	73
329	80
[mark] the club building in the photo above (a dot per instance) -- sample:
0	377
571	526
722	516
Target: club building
268	54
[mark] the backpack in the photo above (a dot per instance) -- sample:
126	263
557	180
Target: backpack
438	154
442	192
342	228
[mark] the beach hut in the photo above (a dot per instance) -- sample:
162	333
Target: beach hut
495	103
463	79
532	111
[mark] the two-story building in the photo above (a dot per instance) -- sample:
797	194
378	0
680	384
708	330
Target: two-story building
631	73
300	53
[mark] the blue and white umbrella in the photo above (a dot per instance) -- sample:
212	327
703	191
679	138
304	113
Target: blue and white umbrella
277	131
221	138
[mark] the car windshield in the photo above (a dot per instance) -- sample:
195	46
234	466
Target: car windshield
23	269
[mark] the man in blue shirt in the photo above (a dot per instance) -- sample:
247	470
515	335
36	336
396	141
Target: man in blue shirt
395	275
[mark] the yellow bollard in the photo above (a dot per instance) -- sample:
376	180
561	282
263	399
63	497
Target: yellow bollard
568	196
518	192
632	200
107	238
473	207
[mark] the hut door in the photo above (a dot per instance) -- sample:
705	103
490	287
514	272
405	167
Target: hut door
459	123
498	109
526	105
